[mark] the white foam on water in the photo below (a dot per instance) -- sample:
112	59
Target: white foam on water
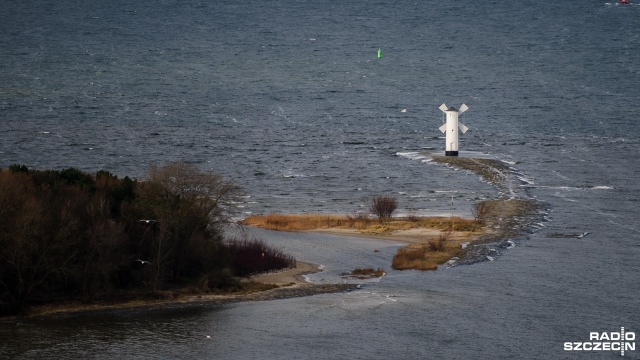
361	300
526	180
576	188
413	155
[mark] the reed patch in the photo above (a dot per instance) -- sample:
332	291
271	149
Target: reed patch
365	225
364	273
427	255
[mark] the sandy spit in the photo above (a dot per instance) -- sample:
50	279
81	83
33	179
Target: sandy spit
291	283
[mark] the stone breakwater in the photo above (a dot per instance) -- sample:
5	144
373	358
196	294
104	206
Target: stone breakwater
513	215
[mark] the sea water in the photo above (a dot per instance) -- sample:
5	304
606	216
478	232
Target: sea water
290	99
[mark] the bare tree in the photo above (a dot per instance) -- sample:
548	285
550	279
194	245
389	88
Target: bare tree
207	192
100	249
383	206
64	234
19	222
37	238
188	206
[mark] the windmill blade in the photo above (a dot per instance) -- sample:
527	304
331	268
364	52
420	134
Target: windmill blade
443	128
462	128
443	107
463	108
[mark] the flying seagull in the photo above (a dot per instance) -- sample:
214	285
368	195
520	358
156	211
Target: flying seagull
143	262
147	221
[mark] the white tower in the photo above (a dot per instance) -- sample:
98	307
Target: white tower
450	128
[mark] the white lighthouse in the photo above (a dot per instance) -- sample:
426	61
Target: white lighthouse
450	128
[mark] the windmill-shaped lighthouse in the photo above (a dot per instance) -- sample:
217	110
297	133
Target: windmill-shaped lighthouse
450	128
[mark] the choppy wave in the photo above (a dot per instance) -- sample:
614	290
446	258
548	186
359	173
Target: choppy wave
575	188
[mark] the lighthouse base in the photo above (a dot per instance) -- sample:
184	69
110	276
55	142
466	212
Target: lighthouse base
450	153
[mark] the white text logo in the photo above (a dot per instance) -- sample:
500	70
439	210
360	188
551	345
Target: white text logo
605	341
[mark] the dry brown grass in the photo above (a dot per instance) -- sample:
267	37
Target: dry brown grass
423	256
504	216
292	222
446	223
428	255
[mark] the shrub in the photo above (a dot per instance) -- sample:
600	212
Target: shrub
383	206
358	216
18	168
426	256
412	258
413	218
436	245
220	279
252	255
367	272
480	210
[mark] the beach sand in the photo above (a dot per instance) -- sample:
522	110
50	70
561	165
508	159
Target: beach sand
290	277
410	236
290	282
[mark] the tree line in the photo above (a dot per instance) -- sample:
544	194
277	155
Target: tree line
66	234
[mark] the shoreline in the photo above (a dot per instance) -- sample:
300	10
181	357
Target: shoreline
411	236
505	218
290	284
289	277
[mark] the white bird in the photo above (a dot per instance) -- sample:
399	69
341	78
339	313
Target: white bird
146	221
143	262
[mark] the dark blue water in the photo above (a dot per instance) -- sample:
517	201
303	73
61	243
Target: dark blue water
290	99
